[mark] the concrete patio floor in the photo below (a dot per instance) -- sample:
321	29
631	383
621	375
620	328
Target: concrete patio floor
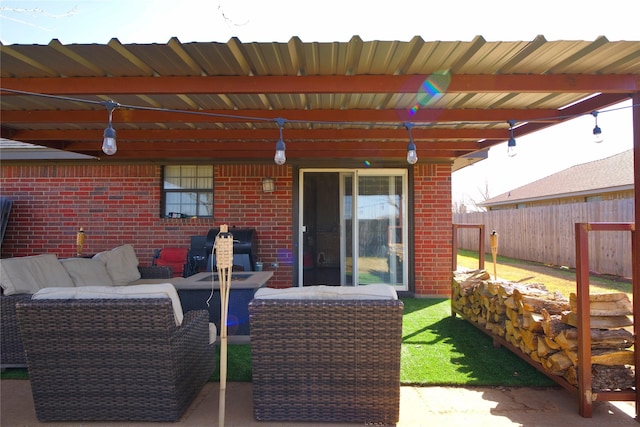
419	406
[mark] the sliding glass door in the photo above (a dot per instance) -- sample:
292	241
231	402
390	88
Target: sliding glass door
354	227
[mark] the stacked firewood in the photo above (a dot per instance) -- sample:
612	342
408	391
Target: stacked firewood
542	325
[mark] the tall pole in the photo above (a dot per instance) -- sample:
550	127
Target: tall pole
635	240
224	259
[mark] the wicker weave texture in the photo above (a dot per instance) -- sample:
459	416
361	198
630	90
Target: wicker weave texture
106	359
11	349
326	360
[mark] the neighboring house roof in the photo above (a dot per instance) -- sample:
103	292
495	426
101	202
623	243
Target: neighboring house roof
613	173
16	150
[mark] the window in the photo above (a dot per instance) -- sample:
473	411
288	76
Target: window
187	191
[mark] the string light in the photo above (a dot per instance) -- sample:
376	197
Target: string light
511	145
280	157
412	156
109	146
109	141
597	132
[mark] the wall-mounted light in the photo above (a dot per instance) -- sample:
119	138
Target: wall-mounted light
268	185
412	155
109	146
597	132
280	157
511	145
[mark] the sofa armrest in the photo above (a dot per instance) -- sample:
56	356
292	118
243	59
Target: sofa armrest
190	342
11	348
155	272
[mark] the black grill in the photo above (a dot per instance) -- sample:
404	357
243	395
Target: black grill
245	247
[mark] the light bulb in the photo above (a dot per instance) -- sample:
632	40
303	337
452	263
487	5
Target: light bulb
109	146
511	147
412	156
280	157
597	135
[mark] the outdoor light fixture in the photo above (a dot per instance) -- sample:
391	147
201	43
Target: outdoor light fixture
511	145
412	156
597	132
109	142
268	185
280	157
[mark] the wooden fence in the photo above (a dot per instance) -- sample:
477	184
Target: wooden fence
546	234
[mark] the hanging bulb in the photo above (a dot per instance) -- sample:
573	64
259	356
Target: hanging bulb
412	155
511	145
280	157
597	132
109	146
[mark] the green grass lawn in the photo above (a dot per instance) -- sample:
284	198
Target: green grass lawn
439	349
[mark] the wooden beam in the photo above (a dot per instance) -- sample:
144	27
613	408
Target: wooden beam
425	115
459	83
319	135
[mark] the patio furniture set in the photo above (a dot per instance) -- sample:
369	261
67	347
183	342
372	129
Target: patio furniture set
125	350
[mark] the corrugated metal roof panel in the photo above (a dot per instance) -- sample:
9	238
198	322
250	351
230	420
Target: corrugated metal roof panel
477	58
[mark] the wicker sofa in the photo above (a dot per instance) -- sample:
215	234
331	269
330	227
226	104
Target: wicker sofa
326	354
114	359
24	276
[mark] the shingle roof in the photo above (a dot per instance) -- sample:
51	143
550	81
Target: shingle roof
610	174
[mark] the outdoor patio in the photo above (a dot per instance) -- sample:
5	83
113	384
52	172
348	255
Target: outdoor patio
433	406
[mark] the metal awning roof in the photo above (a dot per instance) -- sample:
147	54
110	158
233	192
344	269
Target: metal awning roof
343	100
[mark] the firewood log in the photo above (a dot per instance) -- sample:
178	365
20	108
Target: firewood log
599	322
532	321
553	303
557	363
612	377
612	357
552	325
611	304
543	349
600	338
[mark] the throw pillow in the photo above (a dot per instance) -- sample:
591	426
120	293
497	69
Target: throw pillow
27	275
122	264
87	272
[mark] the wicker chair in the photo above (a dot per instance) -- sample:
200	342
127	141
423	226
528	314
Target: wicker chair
326	360
114	359
11	349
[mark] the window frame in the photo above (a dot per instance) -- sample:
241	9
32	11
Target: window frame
199	192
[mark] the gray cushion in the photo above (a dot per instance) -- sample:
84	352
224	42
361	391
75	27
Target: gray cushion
159	290
122	264
27	275
87	272
319	292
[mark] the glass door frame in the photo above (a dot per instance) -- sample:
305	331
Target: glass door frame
355	173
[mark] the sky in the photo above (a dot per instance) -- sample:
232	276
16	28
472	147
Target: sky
540	154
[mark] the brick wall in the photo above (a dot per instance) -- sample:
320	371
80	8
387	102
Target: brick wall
432	222
117	204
